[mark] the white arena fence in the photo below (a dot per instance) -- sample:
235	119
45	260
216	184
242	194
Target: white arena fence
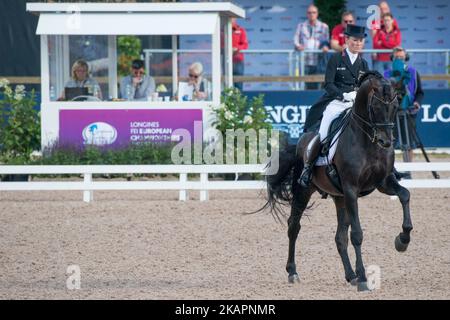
88	185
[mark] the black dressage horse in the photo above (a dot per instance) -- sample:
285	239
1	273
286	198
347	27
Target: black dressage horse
364	160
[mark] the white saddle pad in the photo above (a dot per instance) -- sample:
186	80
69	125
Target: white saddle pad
323	161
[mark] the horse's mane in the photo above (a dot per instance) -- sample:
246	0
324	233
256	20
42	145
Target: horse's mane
370	74
385	84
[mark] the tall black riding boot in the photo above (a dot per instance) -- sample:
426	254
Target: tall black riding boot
310	156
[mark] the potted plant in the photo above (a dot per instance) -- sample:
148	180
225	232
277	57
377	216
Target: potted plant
129	48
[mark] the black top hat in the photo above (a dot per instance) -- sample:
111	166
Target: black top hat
355	31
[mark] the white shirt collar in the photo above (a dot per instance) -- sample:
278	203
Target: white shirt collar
352	56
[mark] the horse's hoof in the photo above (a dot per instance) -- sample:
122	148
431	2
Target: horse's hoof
293	278
399	245
362	286
354	281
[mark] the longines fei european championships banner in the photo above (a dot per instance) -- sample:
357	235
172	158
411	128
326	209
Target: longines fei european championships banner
288	110
120	127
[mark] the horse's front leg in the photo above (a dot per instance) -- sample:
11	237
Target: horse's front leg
342	239
356	234
300	200
391	187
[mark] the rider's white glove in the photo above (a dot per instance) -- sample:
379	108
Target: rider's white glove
350	96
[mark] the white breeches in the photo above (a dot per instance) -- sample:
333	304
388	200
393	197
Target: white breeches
331	112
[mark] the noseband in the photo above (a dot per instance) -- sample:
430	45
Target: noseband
374	126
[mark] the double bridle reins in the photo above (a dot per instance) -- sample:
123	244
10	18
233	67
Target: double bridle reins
374	126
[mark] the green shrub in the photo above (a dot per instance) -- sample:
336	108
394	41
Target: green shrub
19	124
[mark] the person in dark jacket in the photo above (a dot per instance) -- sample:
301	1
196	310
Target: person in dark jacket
341	77
406	81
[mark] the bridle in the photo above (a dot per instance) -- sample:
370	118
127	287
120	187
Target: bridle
374	126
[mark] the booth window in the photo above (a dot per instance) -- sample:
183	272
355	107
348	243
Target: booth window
81	69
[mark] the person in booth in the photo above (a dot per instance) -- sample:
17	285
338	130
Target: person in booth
137	86
82	80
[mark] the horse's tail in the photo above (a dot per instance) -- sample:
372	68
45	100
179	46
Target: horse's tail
281	185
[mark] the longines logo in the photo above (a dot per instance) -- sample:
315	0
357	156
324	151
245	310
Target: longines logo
287	18
287	114
441	29
265	30
266	18
441	6
265	7
421	41
420	30
416	6
402	6
267	41
287	29
440	114
421	17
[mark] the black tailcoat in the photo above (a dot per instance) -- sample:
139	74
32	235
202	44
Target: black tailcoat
341	76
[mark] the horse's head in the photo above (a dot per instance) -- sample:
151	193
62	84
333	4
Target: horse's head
375	108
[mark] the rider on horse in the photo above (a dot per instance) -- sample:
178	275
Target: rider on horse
341	77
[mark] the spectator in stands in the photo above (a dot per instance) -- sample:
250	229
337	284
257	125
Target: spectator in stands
81	79
239	42
388	37
406	80
137	86
310	35
337	35
379	24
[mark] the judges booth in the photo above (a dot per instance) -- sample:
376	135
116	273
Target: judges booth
68	30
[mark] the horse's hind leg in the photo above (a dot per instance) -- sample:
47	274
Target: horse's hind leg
300	201
391	187
342	239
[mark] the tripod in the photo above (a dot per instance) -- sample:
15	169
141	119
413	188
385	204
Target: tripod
409	133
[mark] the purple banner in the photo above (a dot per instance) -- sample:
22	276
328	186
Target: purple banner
121	127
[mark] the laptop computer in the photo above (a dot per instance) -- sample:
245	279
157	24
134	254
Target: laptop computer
72	93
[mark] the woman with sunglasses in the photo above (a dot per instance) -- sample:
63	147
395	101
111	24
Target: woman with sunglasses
137	86
201	86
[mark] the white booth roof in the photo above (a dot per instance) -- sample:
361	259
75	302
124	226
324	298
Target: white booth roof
131	18
123	23
224	8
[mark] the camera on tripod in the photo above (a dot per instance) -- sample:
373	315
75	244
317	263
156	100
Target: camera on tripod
405	132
